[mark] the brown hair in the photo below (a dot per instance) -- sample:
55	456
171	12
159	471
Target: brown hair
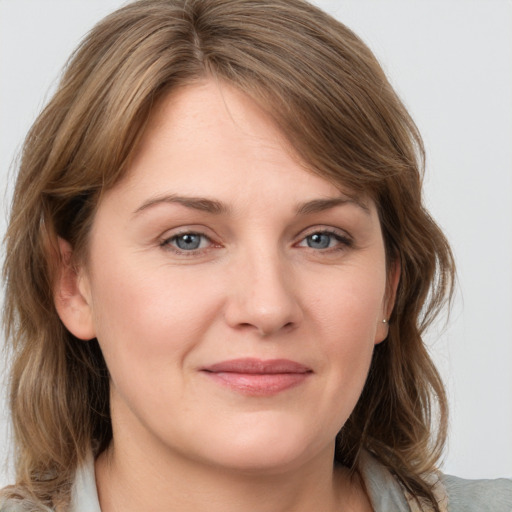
331	99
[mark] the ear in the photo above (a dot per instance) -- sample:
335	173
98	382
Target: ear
389	301
71	295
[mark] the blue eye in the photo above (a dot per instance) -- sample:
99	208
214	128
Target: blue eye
319	240
188	241
325	240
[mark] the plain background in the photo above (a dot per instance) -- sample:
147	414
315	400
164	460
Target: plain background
451	62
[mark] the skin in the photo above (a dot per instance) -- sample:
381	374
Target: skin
280	272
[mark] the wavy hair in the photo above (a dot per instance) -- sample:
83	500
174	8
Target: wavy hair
331	99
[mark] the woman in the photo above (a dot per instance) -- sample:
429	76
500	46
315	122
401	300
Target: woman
219	269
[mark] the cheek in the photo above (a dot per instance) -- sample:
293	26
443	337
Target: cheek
144	317
350	304
347	318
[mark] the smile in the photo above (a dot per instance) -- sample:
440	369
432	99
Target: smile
255	377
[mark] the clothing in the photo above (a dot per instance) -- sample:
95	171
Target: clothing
453	494
386	494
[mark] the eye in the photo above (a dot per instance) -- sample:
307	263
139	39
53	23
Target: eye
319	240
325	240
187	242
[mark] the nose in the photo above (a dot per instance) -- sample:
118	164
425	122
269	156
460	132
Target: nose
263	295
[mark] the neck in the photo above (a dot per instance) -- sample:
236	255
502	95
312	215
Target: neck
130	480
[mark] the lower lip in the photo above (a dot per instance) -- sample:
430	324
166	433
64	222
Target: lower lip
253	384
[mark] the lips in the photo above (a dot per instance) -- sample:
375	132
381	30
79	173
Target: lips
256	377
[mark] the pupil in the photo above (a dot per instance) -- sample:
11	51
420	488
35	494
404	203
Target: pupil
188	241
319	241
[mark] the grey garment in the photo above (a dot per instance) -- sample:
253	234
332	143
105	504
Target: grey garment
478	495
386	494
454	494
384	491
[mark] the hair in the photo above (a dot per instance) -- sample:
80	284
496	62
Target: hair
331	99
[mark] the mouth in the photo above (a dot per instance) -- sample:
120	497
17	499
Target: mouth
256	377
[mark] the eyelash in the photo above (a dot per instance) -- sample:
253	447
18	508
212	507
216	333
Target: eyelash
344	242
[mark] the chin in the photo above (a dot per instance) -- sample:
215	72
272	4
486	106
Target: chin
272	450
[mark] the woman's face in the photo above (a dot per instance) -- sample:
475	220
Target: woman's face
237	297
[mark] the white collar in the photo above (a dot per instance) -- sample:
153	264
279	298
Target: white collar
84	495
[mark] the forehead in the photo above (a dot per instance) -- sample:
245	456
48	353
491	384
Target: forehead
212	116
210	133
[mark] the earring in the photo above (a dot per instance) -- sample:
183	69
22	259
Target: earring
384	321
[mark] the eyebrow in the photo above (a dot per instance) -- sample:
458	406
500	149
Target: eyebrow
197	203
216	207
320	205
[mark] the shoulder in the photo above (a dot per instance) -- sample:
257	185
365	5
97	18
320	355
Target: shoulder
478	495
453	494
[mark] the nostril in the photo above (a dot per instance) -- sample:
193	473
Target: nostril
265	330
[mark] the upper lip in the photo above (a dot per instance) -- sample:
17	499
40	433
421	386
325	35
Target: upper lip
256	366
